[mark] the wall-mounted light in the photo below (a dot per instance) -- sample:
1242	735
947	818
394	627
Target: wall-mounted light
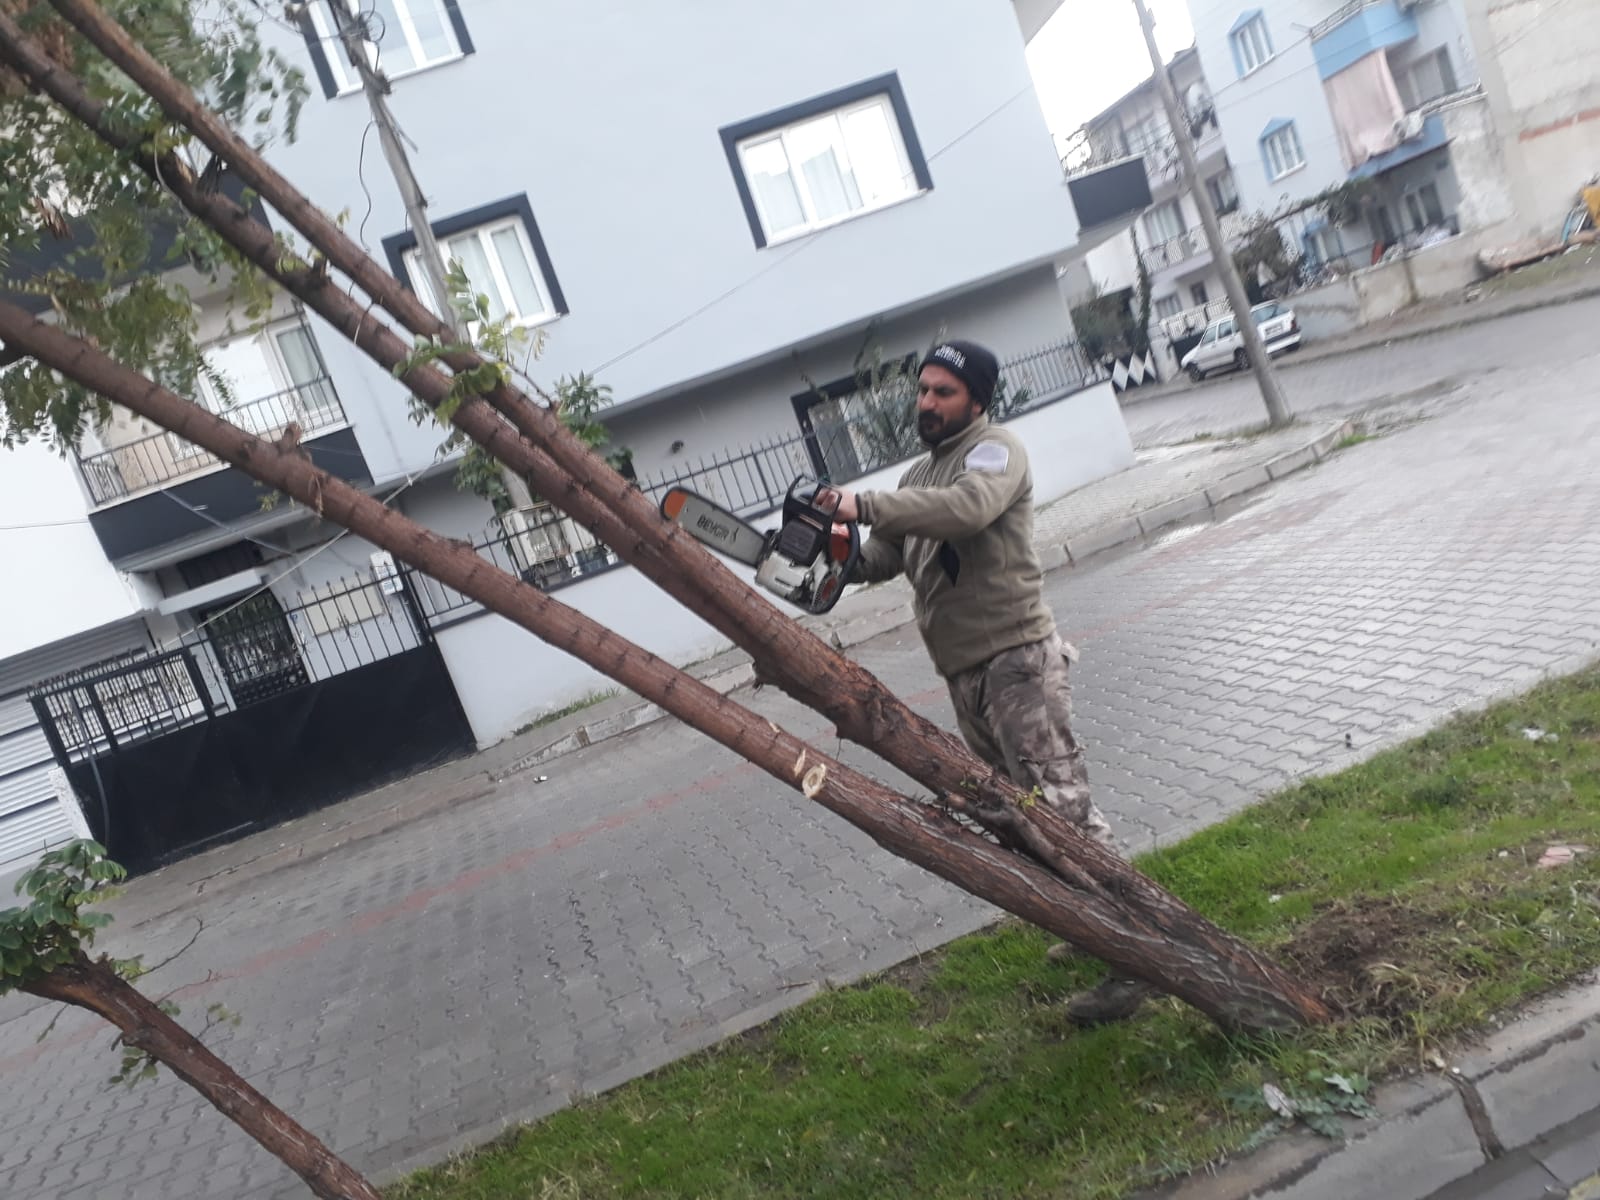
676	447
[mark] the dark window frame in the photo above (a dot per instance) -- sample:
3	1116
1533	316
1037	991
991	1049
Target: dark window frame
396	245
834	389
882	85
319	52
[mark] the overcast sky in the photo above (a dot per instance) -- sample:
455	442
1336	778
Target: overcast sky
1091	53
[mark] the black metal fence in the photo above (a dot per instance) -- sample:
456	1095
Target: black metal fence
246	652
747	480
751	480
263	713
120	702
161	457
539	545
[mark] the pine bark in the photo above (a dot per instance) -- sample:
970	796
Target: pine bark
93	984
1091	898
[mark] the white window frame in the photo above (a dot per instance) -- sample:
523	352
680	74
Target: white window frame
1282	153
267	341
1159	236
1252	45
1325	245
339	63
812	222
1168	306
501	281
1150	132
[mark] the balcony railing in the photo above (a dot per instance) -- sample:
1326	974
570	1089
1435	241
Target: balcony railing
1192	242
1340	15
161	458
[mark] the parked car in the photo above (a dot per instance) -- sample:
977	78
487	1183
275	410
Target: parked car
1222	345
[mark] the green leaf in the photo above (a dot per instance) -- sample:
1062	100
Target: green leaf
1325	1124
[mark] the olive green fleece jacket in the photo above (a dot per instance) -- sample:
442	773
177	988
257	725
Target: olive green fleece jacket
961	528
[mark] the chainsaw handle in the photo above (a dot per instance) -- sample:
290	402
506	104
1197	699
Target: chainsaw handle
839	569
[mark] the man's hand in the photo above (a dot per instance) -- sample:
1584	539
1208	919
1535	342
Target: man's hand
847	506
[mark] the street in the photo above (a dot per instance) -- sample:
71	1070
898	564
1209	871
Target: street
424	985
1490	357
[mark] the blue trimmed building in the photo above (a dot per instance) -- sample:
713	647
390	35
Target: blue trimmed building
1312	94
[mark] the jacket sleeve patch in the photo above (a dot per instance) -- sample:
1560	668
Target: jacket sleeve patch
990	457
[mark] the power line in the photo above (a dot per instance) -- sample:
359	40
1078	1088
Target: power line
800	247
294	565
44	525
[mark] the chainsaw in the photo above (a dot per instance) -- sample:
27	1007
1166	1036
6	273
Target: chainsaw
807	560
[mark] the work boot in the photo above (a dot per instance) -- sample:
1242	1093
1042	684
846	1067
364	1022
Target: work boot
1114	1000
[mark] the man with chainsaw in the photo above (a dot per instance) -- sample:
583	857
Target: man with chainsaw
960	526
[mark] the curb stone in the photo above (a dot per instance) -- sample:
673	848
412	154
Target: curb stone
1537	1075
1207	501
845	632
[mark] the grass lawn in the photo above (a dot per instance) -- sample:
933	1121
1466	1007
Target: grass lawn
1407	887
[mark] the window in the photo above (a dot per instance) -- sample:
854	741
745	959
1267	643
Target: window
1324	245
1426	79
1280	149
826	160
1423	207
1148	134
859	423
408	35
1164	222
262	381
1224	193
1169	306
1386	230
1251	45
503	255
1197	293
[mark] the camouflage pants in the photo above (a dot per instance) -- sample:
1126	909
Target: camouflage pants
1015	712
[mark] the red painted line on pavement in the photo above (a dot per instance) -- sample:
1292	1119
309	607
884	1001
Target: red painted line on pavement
415	902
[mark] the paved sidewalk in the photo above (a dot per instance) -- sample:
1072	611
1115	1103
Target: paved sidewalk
1167	485
462	952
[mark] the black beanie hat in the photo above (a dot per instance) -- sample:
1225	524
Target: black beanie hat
969	362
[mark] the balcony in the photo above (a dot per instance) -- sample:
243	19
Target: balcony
1358	29
154	496
1191	244
159	458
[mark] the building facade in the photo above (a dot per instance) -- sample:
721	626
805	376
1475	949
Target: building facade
1542	134
719	214
1168	237
1317	95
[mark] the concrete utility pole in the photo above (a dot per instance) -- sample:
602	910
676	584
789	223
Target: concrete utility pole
376	87
1278	413
351	33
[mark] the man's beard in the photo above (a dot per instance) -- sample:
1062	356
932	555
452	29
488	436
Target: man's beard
933	429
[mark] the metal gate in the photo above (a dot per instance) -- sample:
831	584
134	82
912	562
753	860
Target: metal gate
32	816
260	716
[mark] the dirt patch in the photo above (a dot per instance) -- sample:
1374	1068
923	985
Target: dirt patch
1368	957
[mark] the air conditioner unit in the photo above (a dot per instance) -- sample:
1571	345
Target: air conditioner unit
1409	127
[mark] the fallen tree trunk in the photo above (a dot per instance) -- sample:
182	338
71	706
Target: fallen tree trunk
94	985
1217	973
529	439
